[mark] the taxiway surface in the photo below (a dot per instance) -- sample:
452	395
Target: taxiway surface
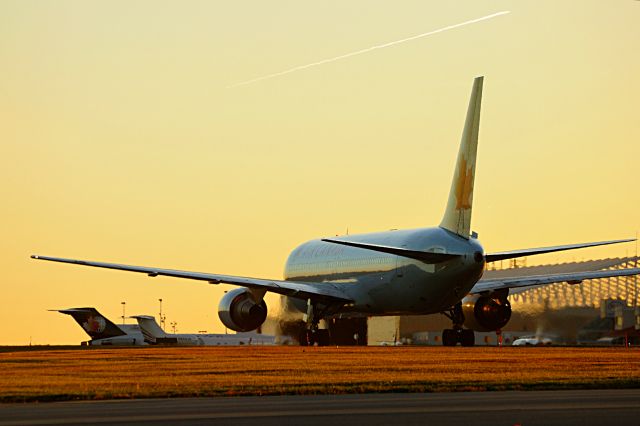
584	407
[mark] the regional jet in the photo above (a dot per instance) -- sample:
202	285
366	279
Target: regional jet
405	272
102	331
154	335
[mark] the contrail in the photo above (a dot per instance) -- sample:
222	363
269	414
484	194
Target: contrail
369	49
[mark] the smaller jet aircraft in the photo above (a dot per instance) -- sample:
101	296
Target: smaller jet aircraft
155	335
102	331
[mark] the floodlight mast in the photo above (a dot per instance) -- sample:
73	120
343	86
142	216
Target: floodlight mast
162	318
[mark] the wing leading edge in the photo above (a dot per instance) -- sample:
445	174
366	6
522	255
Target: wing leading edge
494	257
302	290
569	277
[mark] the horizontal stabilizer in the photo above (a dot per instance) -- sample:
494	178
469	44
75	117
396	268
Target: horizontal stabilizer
424	256
493	257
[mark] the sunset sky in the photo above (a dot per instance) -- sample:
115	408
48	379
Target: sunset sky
124	138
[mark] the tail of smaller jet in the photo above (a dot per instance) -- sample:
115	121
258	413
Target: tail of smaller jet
457	216
93	323
150	328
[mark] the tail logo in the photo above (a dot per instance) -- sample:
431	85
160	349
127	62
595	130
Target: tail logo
464	186
94	324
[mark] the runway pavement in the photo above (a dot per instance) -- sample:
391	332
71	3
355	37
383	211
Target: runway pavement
584	407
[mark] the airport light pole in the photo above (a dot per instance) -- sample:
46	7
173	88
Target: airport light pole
123	316
161	317
173	326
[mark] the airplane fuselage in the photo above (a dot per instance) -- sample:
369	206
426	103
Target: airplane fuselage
386	284
214	339
125	340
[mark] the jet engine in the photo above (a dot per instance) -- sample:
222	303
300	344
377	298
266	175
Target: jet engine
486	313
239	311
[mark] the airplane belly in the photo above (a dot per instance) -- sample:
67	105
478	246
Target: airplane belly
412	292
417	289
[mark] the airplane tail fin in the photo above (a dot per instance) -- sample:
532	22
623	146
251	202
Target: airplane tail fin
93	323
149	328
457	216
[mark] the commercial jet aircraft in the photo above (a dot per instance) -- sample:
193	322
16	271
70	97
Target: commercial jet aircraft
154	335
102	331
406	272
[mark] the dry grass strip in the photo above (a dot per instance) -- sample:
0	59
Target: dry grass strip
52	375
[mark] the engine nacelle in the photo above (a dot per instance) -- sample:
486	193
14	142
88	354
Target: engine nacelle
486	313
239	311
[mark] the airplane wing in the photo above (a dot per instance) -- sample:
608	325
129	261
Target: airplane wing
302	290
493	257
569	277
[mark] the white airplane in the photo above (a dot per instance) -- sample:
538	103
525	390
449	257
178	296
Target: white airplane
102	331
407	272
154	335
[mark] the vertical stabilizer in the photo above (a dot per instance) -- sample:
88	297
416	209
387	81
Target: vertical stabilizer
457	216
93	323
149	328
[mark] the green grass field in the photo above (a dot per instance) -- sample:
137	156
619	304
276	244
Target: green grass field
89	373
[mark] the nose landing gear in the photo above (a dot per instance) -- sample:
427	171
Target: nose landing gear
457	334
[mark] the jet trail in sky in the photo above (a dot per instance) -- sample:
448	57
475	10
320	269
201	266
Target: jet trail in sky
369	49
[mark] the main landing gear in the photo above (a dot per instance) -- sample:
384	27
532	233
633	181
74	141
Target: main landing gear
451	337
313	334
318	336
457	334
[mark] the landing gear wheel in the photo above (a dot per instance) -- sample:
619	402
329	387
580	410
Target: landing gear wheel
449	337
322	337
313	334
306	338
467	338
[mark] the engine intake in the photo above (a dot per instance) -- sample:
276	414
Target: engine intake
239	311
486	313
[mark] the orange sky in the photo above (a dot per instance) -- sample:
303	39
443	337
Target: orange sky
122	142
